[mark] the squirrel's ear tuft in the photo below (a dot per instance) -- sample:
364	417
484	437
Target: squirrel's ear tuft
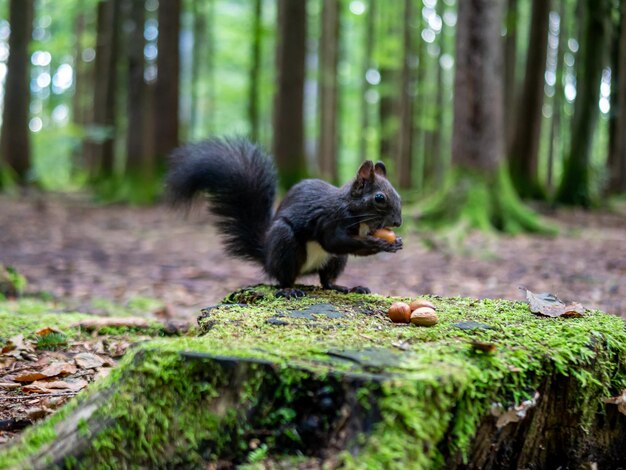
366	171
380	169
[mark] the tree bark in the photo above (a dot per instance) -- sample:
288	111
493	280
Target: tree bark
617	151
100	149
14	141
556	141
166	98
477	142
137	162
288	119
367	64
524	150
329	55
405	141
255	70
510	59
575	183
199	42
389	105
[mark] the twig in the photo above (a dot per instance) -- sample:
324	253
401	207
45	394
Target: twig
38	395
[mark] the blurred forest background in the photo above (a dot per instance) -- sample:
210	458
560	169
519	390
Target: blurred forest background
485	112
96	93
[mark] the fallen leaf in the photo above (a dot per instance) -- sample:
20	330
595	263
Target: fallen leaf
484	346
42	386
48	330
59	368
551	306
88	361
17	344
619	400
30	376
112	322
515	413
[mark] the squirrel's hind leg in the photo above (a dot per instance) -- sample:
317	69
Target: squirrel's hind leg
284	258
331	271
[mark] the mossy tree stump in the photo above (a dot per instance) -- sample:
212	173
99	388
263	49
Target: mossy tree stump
329	380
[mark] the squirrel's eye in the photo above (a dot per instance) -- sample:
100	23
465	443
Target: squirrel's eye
379	198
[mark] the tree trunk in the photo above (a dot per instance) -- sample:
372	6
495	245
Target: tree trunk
288	140
197	62
575	184
524	151
137	162
477	142
480	194
166	98
367	65
255	70
617	155
329	55
78	101
510	59
389	83
405	141
14	141
556	140
100	149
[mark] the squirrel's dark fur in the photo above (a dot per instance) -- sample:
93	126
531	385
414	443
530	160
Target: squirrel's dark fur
314	228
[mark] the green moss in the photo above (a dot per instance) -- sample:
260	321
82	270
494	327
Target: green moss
430	395
480	201
27	315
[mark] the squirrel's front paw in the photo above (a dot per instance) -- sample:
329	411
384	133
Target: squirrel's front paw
393	247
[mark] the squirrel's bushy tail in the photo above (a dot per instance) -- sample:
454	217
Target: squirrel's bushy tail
240	180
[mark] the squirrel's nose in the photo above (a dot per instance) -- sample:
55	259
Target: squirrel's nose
396	221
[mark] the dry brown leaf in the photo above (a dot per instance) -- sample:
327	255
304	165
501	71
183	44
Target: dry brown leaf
514	413
113	322
48	330
30	376
484	346
619	400
59	369
17	344
88	360
43	386
550	305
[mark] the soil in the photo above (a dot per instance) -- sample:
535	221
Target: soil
73	249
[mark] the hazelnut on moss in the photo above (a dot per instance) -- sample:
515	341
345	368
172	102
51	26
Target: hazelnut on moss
399	312
424	316
418	303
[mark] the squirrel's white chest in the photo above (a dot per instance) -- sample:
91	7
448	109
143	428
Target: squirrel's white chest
316	258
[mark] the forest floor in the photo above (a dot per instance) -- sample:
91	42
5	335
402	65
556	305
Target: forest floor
94	258
83	253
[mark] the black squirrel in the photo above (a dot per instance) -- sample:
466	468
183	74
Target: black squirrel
315	227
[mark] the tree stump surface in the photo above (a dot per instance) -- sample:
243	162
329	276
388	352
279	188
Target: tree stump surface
328	381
